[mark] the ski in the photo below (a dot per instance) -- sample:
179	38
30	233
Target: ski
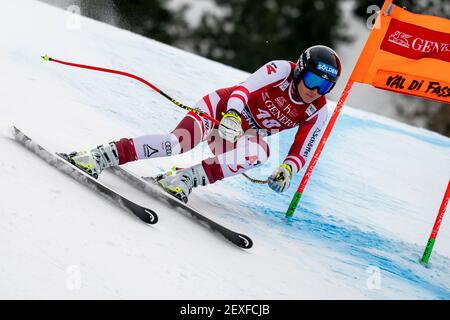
155	191
146	215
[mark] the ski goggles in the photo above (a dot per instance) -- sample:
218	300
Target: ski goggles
313	81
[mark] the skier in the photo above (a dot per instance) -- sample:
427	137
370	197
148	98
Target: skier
278	96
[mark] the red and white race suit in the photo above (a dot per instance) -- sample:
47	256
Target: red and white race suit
268	102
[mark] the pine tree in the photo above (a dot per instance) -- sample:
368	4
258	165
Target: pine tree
247	34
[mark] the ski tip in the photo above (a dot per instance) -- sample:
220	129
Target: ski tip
152	217
246	242
18	134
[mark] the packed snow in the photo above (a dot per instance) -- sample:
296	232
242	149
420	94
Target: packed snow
359	232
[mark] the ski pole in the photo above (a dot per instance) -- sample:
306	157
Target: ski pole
126	74
257	181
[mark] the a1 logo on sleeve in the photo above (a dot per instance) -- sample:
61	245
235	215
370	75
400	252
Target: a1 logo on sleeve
271	68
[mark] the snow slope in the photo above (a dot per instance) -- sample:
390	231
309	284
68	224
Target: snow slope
362	226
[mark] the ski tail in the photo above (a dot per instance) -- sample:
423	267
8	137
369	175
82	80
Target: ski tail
145	214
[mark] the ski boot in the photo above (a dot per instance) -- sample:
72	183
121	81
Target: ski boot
95	161
180	182
158	177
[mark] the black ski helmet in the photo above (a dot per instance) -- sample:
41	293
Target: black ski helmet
321	60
